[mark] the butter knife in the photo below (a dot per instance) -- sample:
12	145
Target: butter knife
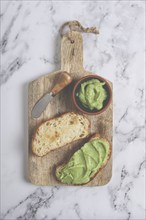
63	80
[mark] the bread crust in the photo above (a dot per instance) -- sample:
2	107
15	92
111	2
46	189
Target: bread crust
96	135
55	117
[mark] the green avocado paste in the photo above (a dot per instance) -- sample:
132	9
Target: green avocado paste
92	94
84	163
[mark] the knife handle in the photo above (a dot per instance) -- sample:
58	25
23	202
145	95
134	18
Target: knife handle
63	80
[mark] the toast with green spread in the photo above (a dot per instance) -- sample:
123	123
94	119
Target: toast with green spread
85	163
59	131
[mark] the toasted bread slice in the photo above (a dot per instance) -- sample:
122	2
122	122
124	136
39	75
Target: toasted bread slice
83	170
59	131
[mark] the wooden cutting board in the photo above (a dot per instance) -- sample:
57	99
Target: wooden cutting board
41	169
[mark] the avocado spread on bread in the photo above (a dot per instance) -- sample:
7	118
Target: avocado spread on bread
85	163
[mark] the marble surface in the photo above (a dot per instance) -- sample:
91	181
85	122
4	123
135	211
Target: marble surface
30	47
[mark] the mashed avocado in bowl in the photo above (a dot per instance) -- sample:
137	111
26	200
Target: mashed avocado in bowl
92	94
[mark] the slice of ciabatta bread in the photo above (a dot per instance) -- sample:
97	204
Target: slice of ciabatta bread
80	172
59	131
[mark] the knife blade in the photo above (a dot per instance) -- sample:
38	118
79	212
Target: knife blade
64	79
41	105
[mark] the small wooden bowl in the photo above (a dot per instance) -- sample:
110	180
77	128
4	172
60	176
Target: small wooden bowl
79	105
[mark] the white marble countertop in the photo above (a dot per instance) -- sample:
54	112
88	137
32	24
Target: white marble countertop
30	48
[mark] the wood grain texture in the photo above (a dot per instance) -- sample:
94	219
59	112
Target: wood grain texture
41	169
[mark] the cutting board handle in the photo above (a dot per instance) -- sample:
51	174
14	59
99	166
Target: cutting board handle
72	47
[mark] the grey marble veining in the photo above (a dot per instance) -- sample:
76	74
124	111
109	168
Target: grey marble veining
30	47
